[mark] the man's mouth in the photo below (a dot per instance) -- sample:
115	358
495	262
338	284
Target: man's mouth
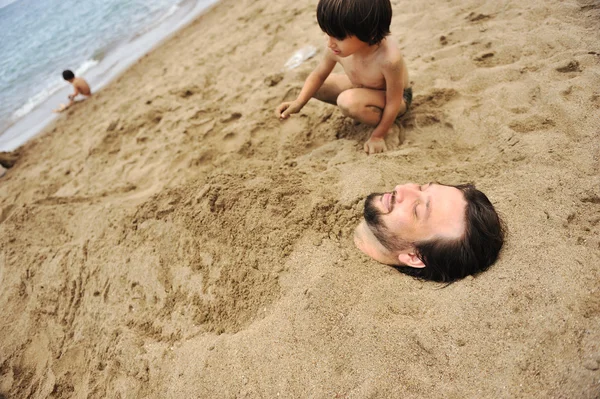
388	200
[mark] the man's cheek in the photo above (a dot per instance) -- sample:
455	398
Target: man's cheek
396	226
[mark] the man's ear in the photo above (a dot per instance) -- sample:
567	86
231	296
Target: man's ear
411	259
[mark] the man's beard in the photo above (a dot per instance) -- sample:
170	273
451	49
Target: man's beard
380	231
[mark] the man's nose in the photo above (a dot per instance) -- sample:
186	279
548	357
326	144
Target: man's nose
405	191
329	41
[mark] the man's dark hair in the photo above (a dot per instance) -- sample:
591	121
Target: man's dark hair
475	251
368	20
68	75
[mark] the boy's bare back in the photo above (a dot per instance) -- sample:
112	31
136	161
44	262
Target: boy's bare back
81	86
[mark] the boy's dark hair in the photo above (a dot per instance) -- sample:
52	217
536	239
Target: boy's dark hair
368	20
447	259
68	75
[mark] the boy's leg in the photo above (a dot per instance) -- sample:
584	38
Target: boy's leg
364	105
335	84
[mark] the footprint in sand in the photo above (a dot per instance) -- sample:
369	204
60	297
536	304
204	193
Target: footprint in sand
230	118
5	212
229	136
532	123
505	55
182	92
595	100
427	109
570	66
274	79
477	17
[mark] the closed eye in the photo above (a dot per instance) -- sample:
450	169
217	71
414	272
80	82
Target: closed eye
421	188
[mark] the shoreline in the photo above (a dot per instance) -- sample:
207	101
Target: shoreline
112	64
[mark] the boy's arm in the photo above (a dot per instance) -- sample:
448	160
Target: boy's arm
394	90
316	78
75	93
313	82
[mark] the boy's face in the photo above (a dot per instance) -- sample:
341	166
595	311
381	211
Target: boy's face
345	47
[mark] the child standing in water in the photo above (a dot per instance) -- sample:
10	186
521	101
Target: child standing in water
79	85
374	88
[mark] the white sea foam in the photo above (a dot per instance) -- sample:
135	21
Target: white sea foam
86	66
37	99
169	12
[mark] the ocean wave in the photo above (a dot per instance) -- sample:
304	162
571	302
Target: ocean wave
172	10
151	25
86	66
51	89
36	100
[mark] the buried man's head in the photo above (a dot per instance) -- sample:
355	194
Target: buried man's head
431	231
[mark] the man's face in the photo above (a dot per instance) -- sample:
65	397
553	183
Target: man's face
413	213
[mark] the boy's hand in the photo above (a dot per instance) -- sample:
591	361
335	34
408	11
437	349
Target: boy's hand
375	145
286	109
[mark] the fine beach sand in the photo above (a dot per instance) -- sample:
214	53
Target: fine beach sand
171	238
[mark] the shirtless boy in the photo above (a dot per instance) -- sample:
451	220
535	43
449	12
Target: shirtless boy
79	85
374	89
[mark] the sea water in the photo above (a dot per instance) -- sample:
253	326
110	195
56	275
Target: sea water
96	39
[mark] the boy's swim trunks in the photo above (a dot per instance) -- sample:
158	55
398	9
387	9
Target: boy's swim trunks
407	98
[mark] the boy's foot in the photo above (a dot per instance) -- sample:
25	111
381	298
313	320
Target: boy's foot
60	109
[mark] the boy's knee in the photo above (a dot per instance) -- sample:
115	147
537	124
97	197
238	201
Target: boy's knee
347	103
352	106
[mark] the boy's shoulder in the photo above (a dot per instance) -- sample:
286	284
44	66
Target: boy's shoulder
390	54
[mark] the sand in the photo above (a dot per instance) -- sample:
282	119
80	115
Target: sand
170	238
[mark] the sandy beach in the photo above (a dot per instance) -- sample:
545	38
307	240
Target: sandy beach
171	238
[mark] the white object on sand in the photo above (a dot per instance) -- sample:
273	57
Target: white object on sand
300	56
